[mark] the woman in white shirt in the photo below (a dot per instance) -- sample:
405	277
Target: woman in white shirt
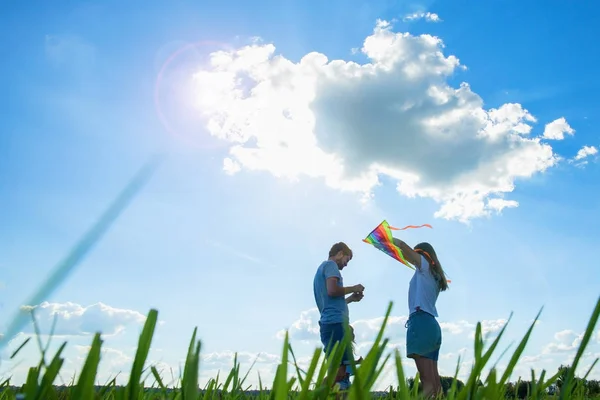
424	336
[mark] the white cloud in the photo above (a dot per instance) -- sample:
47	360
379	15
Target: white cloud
490	327
462	352
530	359
347	123
112	359
428	16
456	328
305	328
224	359
586	151
583	153
566	341
367	329
557	129
74	319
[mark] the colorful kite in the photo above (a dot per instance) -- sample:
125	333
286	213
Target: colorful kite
381	238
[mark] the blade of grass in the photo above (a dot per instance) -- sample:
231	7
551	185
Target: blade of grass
471	387
365	375
38	336
519	351
50	375
249	369
304	391
584	342
300	380
453	388
590	369
415	388
280	382
31	384
87	378
133	387
402	386
189	384
14	354
231	376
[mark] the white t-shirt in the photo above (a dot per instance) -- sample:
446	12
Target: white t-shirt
423	290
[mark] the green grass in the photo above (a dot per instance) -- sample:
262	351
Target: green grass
291	381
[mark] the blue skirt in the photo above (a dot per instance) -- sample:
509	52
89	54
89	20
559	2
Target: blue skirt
424	336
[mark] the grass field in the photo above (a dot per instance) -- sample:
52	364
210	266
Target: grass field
293	382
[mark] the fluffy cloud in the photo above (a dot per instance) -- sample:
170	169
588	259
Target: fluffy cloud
305	328
586	151
456	328
112	359
567	341
74	319
348	123
367	329
581	157
557	129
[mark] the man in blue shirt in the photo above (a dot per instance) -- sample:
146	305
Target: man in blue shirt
330	296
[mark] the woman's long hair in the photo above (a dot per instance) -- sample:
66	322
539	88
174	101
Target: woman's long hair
434	264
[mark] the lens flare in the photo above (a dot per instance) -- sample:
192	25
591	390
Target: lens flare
176	94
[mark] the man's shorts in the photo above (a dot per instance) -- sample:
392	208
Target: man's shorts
424	336
330	334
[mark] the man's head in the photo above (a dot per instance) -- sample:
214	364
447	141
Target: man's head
341	254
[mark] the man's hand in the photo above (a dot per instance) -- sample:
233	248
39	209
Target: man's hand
358	288
355	297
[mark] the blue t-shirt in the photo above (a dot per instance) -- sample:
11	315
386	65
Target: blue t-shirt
332	309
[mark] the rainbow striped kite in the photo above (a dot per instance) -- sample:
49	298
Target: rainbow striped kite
381	238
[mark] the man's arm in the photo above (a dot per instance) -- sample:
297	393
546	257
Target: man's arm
409	254
338	291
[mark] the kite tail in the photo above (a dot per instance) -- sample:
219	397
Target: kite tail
410	227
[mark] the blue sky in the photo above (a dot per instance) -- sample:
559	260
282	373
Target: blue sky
231	246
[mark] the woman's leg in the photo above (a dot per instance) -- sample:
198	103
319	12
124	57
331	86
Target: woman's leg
423	341
437	380
426	368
